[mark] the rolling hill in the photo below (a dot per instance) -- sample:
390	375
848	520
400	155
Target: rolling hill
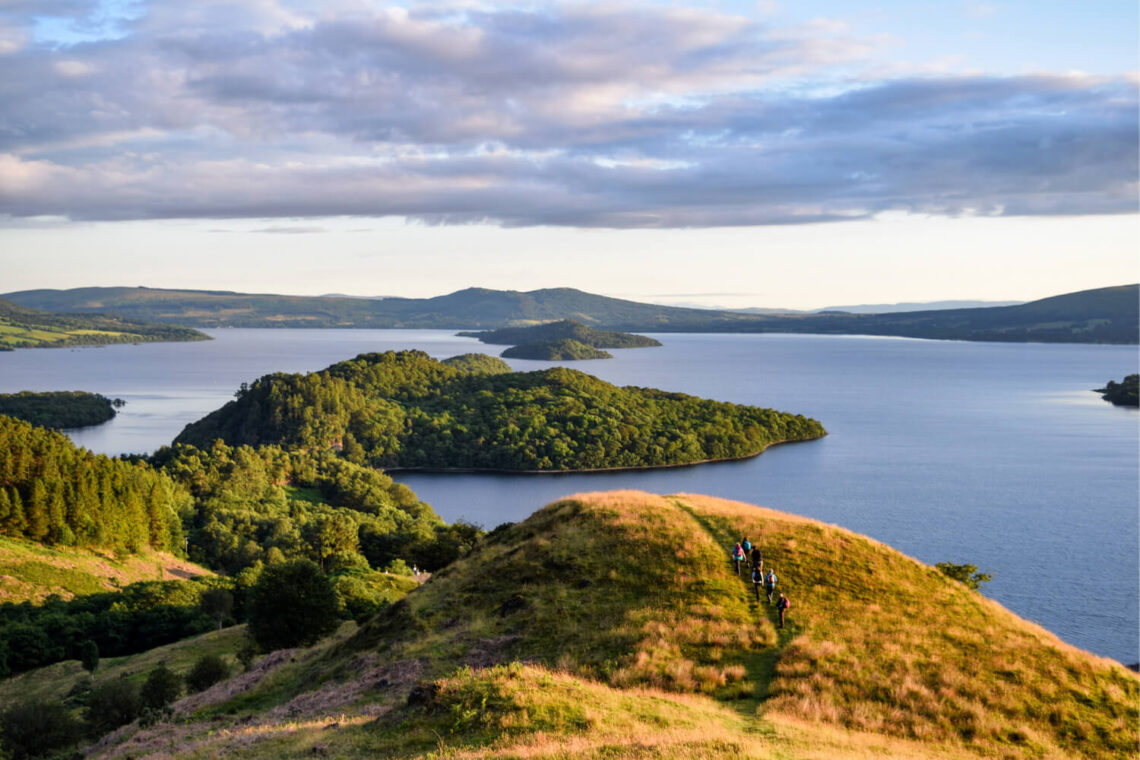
27	327
612	625
1103	315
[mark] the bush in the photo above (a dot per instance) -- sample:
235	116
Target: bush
112	703
207	671
292	605
966	573
36	728
162	687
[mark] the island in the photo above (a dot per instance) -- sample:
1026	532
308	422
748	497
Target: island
60	409
24	327
1124	393
564	349
564	329
406	410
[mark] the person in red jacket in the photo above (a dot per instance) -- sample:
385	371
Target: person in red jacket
783	605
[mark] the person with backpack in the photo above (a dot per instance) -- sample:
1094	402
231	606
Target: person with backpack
770	584
783	605
745	544
757	580
757	558
738	557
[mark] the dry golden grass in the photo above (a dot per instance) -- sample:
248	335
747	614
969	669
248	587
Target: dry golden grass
642	641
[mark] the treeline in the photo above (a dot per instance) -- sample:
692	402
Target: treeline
59	409
55	493
142	616
268	505
403	409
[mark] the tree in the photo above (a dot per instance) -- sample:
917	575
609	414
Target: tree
966	573
207	671
217	603
112	703
291	605
36	728
161	688
89	656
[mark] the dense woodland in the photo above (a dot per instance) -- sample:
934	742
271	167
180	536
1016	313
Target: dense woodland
564	349
58	494
404	409
565	329
59	409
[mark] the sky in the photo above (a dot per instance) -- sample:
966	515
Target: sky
767	154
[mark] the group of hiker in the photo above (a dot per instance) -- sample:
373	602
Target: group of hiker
745	551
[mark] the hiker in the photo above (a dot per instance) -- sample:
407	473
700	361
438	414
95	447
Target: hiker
770	584
783	605
757	580
757	558
738	557
745	544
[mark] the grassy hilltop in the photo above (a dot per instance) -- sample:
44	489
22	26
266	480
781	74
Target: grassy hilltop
613	626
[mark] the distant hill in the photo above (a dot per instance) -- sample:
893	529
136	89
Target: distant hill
27	327
612	625
59	409
1104	315
564	329
893	308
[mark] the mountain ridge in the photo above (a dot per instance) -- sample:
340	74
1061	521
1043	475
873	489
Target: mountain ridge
1101	315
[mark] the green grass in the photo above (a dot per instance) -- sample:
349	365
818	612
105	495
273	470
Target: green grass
32	572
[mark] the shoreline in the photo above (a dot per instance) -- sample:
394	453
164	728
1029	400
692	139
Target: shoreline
594	470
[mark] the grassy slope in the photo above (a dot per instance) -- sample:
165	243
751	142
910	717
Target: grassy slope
641	641
22	327
31	571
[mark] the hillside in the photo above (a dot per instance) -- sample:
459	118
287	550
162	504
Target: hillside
30	572
23	327
613	626
1103	315
565	329
404	409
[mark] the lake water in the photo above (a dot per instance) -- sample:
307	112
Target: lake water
994	454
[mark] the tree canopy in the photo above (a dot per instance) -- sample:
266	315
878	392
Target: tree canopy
403	409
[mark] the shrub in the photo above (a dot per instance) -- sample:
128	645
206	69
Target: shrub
112	703
207	671
966	573
37	727
293	604
161	688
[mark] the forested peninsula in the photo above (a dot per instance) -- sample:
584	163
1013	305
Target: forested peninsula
564	349
59	409
24	327
564	329
1124	393
406	410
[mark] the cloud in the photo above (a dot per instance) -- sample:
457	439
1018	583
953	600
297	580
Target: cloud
590	115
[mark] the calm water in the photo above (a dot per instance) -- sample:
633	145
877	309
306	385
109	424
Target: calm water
968	452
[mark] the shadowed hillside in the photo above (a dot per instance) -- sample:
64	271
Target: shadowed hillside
612	625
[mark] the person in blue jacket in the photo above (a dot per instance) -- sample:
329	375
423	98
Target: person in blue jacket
770	584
